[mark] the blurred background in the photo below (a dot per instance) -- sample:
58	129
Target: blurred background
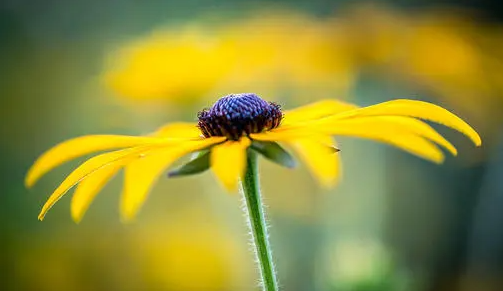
394	222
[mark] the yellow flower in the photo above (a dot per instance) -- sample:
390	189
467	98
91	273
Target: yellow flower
179	65
233	125
190	62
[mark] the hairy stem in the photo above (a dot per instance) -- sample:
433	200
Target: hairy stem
255	213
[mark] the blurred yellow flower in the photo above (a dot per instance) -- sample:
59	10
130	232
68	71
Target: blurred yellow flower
291	50
443	51
436	46
233	125
448	56
193	255
272	50
176	65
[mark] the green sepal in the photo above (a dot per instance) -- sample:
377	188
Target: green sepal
198	165
274	152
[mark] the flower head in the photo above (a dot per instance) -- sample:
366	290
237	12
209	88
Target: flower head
239	115
234	125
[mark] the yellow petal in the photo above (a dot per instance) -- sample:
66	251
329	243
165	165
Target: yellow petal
76	147
420	128
409	142
228	162
413	144
316	110
286	133
90	166
320	159
141	174
178	130
418	109
88	188
395	125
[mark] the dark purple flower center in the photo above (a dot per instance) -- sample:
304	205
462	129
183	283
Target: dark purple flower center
236	115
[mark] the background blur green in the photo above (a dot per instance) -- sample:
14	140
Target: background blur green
394	222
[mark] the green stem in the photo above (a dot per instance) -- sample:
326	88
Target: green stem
255	214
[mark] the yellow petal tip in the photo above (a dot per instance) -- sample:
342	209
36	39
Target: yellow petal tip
44	210
76	217
232	190
453	151
29	181
127	213
478	141
473	136
230	187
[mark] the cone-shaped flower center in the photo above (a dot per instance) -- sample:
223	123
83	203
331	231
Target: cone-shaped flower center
236	115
